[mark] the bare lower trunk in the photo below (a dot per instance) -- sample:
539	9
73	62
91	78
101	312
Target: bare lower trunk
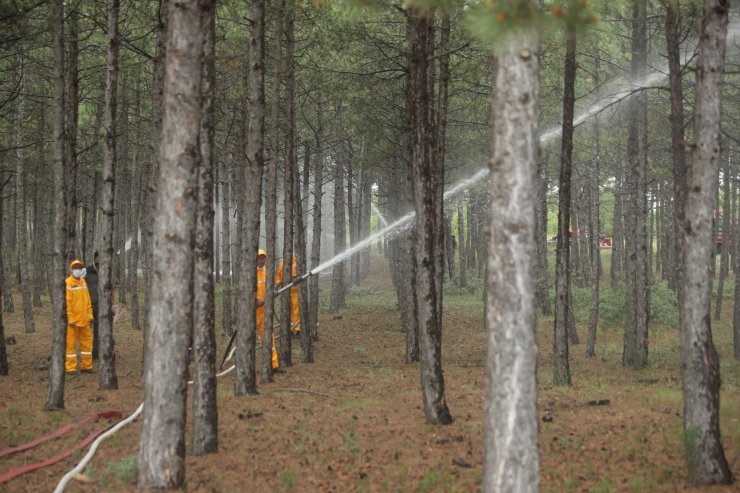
542	274
678	146
20	207
162	446
725	250
107	377
205	406
55	398
563	315
313	281
637	273
245	381
462	281
699	360
511	454
340	242
227	326
300	234
271	205
428	180
3	352
285	347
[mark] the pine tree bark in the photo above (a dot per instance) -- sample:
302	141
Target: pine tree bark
511	460
318	187
678	146
20	203
205	406
337	301
463	279
161	461
724	250
615	268
154	163
72	101
285	347
594	231
227	327
561	364
428	180
699	360
542	274
300	243
271	198
3	351
55	397
107	375
245	382
637	273
137	195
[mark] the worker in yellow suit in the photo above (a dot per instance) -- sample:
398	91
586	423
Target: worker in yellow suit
260	304
79	320
295	311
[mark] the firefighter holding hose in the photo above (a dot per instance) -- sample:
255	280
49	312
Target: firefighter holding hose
295	311
260	303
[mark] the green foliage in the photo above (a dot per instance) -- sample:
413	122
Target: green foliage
289	479
430	481
663	305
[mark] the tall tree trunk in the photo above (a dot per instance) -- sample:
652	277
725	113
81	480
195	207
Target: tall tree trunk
20	203
205	406
271	196
561	364
699	360
724	251
55	398
428	181
285	348
340	242
678	146
542	274
137	196
70	142
154	163
318	186
245	381
3	352
227	327
511	459
594	231
162	446
300	242
617	260
463	280
637	273
40	245
107	376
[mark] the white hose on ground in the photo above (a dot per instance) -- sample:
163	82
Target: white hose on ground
89	455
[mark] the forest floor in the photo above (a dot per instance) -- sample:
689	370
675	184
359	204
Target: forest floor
353	421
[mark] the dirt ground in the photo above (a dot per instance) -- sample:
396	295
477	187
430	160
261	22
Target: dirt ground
352	421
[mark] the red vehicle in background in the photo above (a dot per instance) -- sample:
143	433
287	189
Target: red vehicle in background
718	224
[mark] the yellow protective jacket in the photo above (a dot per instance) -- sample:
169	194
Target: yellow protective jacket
261	283
79	306
293	272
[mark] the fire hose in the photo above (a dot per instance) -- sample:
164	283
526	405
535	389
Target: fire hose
86	459
296	280
53	460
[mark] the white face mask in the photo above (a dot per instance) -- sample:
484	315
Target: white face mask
79	273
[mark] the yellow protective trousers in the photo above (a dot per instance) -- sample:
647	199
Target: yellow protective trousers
260	316
83	336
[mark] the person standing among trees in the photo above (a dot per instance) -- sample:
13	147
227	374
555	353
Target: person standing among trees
92	287
260	304
295	310
79	320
